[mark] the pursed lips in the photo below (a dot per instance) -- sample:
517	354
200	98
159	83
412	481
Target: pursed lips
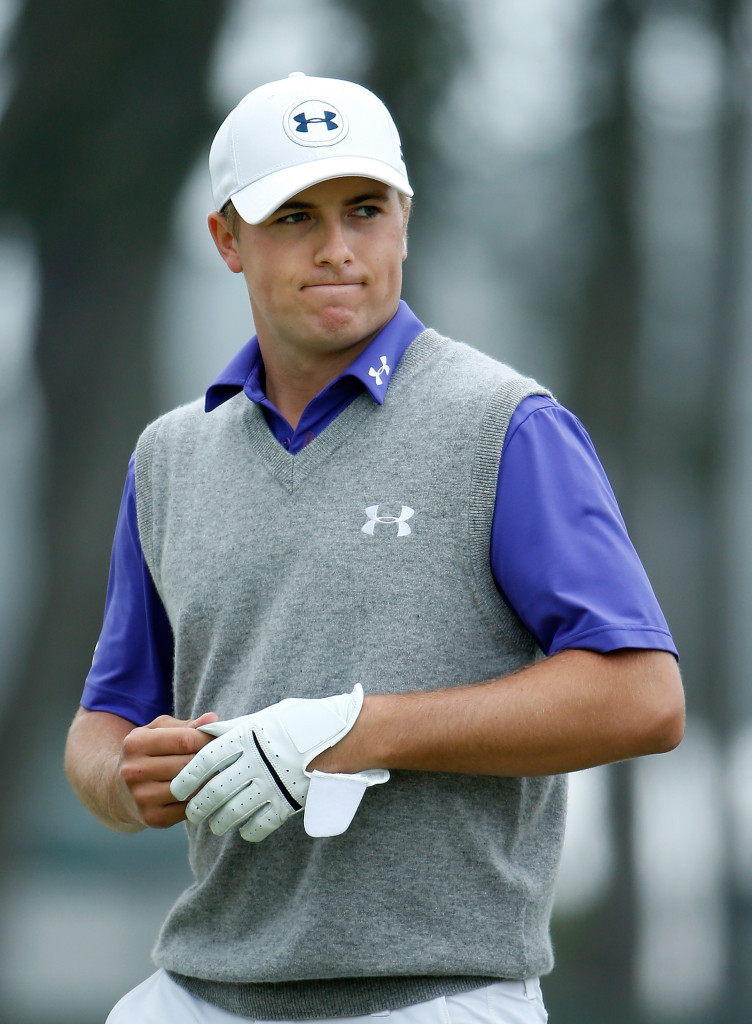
333	284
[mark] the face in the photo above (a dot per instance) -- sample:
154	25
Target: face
324	272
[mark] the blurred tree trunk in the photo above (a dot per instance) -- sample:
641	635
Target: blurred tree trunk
640	443
728	706
108	113
596	961
416	49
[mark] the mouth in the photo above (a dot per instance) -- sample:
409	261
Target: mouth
332	285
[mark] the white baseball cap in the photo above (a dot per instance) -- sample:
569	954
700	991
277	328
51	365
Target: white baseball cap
288	135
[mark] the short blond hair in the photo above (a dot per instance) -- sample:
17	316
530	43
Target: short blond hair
232	218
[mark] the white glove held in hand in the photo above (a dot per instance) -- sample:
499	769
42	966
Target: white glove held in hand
256	767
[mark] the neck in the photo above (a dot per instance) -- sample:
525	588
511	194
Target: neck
292	380
291	387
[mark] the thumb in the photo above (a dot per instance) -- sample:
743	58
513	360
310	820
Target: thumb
204	719
213	726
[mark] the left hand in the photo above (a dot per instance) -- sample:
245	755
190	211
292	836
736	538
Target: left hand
253	774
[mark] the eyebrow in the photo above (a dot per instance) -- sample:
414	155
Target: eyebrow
381	194
296	204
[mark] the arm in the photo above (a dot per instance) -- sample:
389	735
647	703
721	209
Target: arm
121	772
575	710
116	769
561	555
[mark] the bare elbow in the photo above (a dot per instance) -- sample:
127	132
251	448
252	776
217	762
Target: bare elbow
666	721
670	729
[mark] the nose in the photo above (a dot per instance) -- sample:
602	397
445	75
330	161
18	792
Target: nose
333	249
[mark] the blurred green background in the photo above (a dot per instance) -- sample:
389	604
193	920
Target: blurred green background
583	178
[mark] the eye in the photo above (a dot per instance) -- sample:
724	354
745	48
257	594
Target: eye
366	212
296	217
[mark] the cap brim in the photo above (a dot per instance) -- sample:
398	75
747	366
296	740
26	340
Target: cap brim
259	200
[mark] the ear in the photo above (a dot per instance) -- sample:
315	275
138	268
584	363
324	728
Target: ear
225	242
406	207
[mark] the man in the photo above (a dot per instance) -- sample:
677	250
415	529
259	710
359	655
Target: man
348	562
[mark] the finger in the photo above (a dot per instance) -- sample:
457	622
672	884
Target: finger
166	817
160	815
169	722
261	825
213	727
218	790
153	741
237	809
156	805
205	719
151	793
213	758
154	769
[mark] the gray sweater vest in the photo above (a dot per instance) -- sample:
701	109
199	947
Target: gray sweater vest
363	558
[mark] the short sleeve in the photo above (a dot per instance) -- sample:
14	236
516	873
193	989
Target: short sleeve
560	552
131	673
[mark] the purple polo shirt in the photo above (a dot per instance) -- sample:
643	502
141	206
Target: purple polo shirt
560	553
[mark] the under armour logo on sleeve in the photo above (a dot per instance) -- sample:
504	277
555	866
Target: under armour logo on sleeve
403	528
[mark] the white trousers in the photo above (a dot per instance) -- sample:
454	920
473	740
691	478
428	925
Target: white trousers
159	1000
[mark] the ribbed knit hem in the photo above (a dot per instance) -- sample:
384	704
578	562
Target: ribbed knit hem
321	999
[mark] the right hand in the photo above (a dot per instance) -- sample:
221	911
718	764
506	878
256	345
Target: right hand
253	776
150	758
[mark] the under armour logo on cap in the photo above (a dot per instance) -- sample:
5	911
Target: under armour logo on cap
328	120
315	123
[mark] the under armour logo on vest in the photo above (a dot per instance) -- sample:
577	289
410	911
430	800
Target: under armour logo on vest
373	372
401	520
327	119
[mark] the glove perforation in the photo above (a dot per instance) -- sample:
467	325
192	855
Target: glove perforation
237	779
278	781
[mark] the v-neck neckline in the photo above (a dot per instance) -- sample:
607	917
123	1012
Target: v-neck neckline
291	470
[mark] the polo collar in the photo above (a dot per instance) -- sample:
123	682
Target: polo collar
373	368
376	363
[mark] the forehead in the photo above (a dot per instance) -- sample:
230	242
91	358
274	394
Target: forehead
340	191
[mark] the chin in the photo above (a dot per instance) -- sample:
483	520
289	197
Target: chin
338	321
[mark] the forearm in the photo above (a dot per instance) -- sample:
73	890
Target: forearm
92	765
572	711
122	773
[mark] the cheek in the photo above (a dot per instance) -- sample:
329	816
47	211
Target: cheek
391	269
267	290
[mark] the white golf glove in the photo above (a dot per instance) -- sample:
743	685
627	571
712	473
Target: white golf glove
254	774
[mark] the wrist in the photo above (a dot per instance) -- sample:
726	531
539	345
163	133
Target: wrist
355	752
122	808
